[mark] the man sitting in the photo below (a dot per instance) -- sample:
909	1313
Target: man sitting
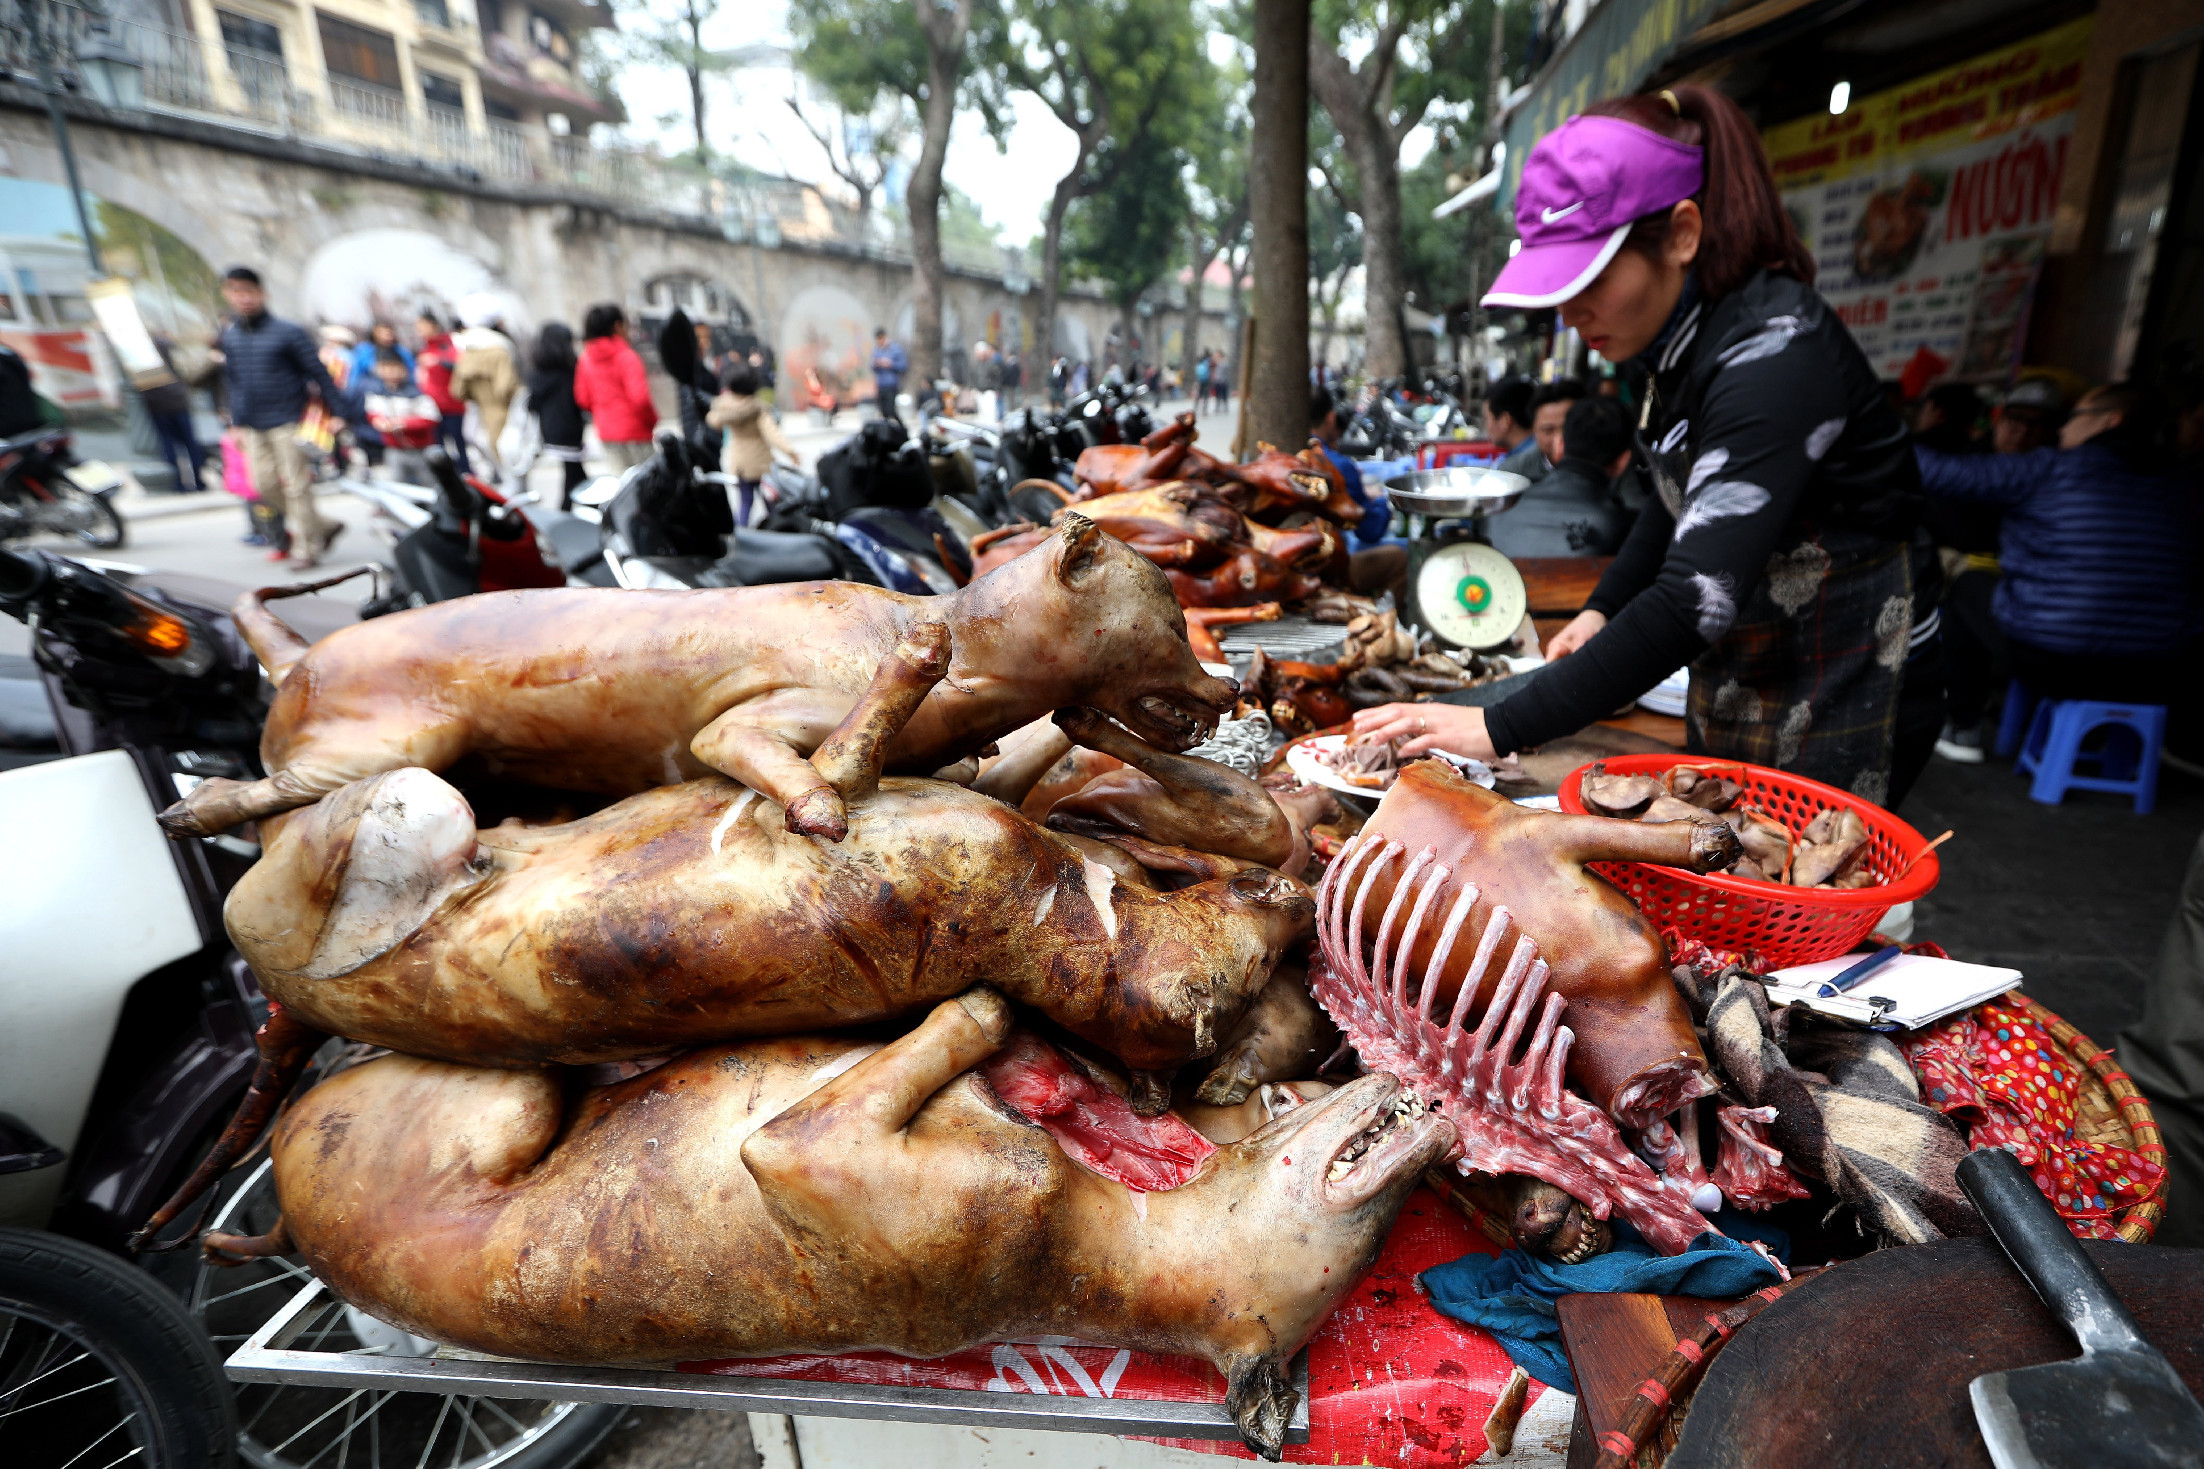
1549	410
2094	550
1508	414
1575	509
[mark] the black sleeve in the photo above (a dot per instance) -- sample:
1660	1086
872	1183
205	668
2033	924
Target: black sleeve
1636	564
1774	408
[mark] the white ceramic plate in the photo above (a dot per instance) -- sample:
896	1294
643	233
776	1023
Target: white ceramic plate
1669	695
1302	760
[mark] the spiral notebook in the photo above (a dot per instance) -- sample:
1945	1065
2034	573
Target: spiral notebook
1907	993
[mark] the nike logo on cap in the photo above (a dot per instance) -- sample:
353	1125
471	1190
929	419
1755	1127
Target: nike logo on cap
1548	216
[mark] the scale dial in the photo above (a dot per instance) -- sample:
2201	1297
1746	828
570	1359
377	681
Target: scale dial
1471	595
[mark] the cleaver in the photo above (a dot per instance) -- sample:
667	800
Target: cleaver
2119	1403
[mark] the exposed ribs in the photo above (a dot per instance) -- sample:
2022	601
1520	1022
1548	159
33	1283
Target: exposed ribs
1748	1169
1511	1115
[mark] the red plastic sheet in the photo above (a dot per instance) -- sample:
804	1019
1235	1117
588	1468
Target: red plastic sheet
1391	1381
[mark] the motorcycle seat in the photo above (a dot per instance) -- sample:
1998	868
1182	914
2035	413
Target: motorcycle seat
575	541
770	557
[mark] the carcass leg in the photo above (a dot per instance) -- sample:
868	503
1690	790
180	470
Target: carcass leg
220	1248
286	1045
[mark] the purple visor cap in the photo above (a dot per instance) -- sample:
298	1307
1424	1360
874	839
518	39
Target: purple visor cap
1583	186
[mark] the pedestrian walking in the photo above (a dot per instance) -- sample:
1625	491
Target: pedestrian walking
432	368
169	408
487	373
1013	379
551	399
889	363
272	369
1059	382
1202	368
752	437
610	386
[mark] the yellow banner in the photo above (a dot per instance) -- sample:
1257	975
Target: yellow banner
2016	87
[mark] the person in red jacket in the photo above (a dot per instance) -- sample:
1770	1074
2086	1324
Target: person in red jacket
609	387
433	362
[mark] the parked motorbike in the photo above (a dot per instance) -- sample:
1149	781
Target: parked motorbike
867	518
127	1045
463	535
46	490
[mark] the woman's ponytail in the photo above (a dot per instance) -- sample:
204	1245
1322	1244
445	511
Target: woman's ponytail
1746	226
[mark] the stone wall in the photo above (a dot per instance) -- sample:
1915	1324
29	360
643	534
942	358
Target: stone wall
341	237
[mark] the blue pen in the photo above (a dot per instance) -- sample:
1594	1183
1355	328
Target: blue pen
1852	978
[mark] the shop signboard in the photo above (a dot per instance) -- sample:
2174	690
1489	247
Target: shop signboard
1616	48
1928	206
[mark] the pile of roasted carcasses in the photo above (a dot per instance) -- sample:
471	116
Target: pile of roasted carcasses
783	1021
1228	535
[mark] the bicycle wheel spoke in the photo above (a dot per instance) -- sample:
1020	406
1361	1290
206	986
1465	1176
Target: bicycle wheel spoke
64	1396
352	1423
434	1429
491	1404
31	1382
352	1396
135	1450
123	1422
264	1281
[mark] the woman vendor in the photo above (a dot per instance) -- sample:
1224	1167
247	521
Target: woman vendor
1776	561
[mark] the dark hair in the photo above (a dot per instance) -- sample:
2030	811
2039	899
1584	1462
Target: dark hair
1560	390
602	320
430	317
388	357
1322	402
554	348
243	273
2143	437
741	379
1597	429
1512	396
1746	227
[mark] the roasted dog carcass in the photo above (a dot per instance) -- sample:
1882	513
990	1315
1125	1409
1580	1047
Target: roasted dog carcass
774	1197
690	914
1454	903
1498	876
616	692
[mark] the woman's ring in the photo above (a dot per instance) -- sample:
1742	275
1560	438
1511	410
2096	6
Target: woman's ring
1423	725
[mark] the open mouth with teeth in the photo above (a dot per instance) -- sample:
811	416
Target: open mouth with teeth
1169	725
1387	1131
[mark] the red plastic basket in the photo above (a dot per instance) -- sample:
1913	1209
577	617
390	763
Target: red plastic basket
1783	925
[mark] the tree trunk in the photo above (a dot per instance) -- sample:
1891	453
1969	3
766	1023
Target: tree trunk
1052	253
696	81
1278	188
1189	348
944	29
1375	152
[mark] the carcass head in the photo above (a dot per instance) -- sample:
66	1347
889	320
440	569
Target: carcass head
353	875
1098	623
1190	962
1299	1212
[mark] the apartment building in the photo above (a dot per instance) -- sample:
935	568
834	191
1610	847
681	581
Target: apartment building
496	85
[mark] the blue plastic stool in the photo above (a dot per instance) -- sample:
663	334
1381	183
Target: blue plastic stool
2126	765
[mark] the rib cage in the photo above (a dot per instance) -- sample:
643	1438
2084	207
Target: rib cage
1511	1115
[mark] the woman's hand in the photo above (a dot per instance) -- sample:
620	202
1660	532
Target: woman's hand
1422	728
1575	635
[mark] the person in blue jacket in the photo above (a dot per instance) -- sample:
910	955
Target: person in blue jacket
381	337
2095	550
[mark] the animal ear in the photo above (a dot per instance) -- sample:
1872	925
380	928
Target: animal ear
1081	553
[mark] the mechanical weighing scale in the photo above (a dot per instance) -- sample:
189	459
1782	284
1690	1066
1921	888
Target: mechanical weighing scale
1460	589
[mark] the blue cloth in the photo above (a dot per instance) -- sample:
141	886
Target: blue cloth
1512	1295
1377	511
363	360
2095	555
268	364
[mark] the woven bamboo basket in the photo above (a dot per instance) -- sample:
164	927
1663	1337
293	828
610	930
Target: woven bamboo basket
2109	1110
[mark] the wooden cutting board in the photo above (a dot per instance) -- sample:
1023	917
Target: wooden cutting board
1868	1365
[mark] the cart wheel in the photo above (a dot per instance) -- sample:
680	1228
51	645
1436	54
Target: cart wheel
99	1365
287	1427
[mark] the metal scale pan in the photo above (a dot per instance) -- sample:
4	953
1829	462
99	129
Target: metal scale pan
1459	587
